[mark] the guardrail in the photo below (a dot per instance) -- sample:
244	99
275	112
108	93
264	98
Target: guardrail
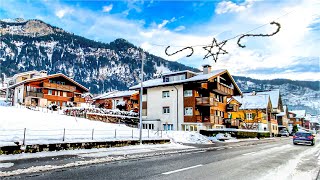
45	136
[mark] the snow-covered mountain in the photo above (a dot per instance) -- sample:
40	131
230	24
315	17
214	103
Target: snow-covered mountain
36	45
295	94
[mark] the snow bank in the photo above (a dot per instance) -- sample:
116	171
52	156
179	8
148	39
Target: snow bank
187	137
46	127
42	128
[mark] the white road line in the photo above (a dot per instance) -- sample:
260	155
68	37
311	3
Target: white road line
317	154
248	153
195	152
183	169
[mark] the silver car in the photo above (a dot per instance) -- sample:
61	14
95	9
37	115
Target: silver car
283	133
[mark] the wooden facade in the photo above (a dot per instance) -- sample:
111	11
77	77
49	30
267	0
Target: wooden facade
51	89
209	100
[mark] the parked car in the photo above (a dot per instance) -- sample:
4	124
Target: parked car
304	138
283	133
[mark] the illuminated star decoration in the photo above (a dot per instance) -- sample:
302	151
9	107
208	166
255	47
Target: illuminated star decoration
215	54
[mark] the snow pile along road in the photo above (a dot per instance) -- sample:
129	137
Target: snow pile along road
46	127
187	137
43	128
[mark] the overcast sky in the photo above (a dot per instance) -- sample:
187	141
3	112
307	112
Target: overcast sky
293	53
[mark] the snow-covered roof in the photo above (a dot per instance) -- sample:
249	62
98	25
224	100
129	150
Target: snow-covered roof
159	81
121	94
49	76
253	101
299	113
178	72
101	96
274	96
114	94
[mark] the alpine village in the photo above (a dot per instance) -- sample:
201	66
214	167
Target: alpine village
60	92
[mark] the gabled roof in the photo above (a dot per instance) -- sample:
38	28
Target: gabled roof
198	77
253	101
299	113
178	72
232	98
274	96
46	77
115	94
121	94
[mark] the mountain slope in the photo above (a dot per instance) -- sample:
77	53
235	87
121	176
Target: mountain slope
295	94
35	45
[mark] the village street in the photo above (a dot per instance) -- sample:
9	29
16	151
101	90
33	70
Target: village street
278	159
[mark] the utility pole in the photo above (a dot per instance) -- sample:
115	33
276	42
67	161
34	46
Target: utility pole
141	94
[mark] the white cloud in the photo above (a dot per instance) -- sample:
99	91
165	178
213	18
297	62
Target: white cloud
296	38
107	8
180	28
64	11
229	6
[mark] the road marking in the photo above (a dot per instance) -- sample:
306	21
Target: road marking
219	149
195	152
248	153
183	169
317	154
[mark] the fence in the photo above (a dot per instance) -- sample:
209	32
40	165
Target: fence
33	136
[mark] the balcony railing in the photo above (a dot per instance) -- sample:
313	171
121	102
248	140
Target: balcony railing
206	101
222	88
78	99
211	119
59	87
216	119
34	94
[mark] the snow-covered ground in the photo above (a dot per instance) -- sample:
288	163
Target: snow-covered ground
42	127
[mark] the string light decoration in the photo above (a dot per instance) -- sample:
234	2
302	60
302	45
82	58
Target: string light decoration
209	48
261	35
189	47
215	54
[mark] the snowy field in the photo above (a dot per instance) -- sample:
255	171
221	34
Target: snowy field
42	127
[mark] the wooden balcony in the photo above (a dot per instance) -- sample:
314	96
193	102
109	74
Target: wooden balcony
216	119
222	89
211	119
79	100
56	98
206	101
59	87
34	94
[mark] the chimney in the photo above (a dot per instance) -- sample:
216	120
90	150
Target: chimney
43	73
206	69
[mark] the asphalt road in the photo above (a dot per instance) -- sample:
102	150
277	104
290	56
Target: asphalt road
273	160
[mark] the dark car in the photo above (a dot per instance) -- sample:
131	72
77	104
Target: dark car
303	137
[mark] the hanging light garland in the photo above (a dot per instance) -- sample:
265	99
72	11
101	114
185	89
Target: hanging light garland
215	54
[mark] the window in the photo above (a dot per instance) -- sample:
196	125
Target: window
50	92
64	94
166	79
165	94
168	127
188	111
187	93
64	104
249	116
57	93
166	110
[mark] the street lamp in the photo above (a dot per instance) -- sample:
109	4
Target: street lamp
141	94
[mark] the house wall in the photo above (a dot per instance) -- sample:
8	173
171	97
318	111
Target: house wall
155	104
18	94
